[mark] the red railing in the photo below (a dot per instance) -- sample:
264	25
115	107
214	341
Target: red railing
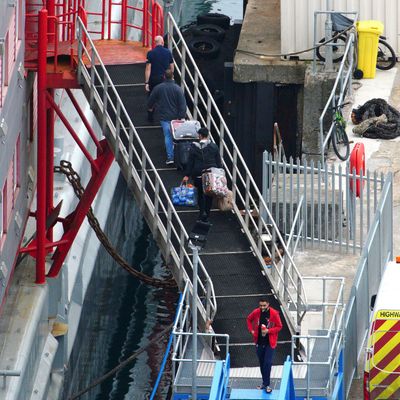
62	21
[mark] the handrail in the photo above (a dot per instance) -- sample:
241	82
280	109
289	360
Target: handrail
130	147
296	217
244	189
333	334
288	281
182	334
343	79
286	391
219	386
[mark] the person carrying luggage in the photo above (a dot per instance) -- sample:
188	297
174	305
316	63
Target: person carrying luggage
203	155
170	101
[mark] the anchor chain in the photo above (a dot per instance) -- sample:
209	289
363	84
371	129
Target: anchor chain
74	179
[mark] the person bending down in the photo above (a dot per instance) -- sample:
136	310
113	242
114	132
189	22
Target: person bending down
202	155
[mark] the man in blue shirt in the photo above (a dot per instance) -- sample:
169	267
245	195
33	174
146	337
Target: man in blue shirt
158	61
170	101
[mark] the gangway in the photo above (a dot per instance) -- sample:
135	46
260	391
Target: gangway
236	249
139	149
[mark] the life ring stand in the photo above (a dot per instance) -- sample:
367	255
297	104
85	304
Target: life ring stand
357	164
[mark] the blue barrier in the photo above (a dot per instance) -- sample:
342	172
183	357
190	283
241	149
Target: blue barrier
165	358
286	391
338	391
219	387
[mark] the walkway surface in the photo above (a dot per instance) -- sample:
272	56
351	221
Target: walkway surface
235	272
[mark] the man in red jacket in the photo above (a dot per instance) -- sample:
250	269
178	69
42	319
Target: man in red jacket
264	324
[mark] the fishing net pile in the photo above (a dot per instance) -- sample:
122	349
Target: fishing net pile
376	119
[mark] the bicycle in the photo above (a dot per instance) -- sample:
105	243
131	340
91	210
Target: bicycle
339	138
386	58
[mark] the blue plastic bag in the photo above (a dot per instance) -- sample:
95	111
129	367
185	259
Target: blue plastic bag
184	195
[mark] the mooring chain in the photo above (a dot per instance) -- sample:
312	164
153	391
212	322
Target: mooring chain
74	179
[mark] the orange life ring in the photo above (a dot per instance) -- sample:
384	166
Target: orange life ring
357	163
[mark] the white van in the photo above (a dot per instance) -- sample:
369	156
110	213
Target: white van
382	359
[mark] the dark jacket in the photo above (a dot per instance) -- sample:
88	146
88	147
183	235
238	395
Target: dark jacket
160	59
202	156
170	100
253	321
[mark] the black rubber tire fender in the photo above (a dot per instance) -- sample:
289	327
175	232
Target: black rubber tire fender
204	47
391	61
221	20
209	30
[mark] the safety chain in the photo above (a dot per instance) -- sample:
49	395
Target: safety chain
74	179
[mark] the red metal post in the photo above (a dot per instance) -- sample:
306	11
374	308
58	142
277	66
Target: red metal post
104	162
51	23
83	16
50	162
109	17
124	15
84	119
145	28
78	141
154	23
41	152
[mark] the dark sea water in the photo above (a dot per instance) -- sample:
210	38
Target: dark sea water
121	314
232	8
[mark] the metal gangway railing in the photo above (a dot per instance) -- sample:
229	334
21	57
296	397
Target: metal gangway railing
182	342
343	80
337	205
324	343
145	182
250	206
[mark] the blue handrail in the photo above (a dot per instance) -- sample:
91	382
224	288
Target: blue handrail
286	391
165	358
219	386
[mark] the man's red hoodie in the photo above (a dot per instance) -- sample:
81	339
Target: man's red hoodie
253	321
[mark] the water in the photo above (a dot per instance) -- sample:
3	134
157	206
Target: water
191	8
121	314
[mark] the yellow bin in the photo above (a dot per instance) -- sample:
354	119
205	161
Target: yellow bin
368	38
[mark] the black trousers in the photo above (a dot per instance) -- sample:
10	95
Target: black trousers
154	81
205	202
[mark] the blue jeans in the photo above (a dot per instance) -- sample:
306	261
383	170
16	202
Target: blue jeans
169	144
264	354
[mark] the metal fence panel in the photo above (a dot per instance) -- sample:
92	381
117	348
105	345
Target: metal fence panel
334	217
378	250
